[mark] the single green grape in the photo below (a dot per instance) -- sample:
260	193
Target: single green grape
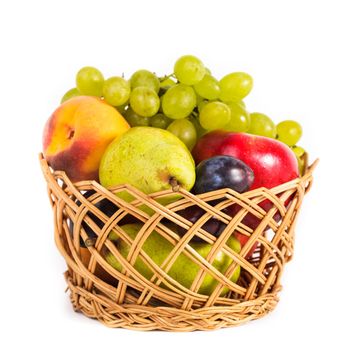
179	101
261	124
134	119
214	115
185	131
208	88
89	81
144	101
160	121
69	94
301	166
289	132
167	83
240	118
300	159
145	78
189	70
116	91
235	86
298	151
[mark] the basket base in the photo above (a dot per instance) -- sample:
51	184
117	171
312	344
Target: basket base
146	318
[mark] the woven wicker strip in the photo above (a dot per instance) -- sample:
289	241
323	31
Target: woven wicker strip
129	300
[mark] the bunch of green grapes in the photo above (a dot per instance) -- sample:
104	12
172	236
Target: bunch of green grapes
189	102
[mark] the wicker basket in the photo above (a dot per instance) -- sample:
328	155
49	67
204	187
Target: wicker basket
127	299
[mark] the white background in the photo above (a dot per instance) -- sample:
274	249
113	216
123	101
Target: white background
297	52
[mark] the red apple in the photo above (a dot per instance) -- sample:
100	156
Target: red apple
272	162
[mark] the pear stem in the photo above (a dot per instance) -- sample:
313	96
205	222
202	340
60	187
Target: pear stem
174	184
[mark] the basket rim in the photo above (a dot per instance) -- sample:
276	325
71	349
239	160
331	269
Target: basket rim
305	178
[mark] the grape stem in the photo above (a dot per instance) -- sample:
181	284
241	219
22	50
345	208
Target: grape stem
172	75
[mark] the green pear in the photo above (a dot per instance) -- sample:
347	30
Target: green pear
184	270
150	159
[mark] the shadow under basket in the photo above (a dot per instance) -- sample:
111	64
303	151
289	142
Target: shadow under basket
85	214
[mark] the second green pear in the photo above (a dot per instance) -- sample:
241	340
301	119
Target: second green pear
184	270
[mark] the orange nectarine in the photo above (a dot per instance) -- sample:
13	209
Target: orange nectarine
77	134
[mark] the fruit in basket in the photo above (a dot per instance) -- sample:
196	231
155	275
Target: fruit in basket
222	172
184	270
144	101
300	155
108	208
116	91
89	81
179	101
160	121
214	115
145	78
235	86
208	88
289	132
77	134
262	125
74	92
134	119
185	131
189	70
105	206
193	214
243	239
166	82
272	162
99	271
149	159
239	120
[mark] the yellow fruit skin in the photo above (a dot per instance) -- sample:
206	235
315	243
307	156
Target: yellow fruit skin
77	134
149	159
184	270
